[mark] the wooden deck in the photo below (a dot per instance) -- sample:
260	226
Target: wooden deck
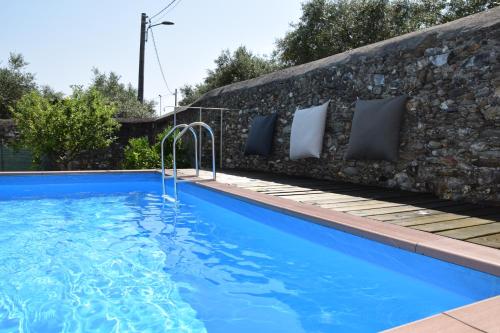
478	224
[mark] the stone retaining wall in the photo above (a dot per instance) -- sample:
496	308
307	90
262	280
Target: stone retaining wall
450	140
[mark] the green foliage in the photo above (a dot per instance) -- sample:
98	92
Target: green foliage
60	129
124	97
139	154
329	27
14	83
230	68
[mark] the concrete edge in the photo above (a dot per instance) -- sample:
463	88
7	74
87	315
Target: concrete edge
476	317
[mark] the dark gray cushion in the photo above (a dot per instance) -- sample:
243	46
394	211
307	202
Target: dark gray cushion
260	137
375	129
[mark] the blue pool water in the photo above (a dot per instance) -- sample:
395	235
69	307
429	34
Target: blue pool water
104	253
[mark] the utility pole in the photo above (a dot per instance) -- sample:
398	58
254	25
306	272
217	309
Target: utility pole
140	86
160	104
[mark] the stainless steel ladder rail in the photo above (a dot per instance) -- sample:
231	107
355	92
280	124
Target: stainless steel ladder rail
185	127
190	127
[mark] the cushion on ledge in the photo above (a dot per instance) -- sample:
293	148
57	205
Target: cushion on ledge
375	129
260	137
308	128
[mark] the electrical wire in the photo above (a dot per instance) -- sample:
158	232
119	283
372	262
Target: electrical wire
161	11
159	63
168	11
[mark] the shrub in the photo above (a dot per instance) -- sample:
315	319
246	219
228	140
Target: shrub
139	154
60	130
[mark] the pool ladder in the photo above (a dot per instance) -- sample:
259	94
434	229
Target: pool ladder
185	128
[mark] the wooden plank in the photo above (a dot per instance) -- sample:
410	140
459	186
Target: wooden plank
487	213
285	190
336	199
392	197
370	204
285	193
363	204
397	202
472	232
429	219
421	213
452	224
400	209
347	191
490	240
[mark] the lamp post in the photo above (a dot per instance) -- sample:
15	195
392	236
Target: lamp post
144	32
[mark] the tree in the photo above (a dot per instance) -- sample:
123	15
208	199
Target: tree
230	68
14	83
124	97
328	27
60	130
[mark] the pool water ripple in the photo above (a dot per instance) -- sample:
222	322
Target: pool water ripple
118	258
82	265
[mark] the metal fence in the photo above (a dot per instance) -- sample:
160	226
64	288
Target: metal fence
14	159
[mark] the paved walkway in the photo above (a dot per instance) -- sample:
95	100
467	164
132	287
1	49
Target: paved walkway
468	222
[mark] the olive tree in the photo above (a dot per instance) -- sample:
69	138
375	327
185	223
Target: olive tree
15	81
328	27
60	130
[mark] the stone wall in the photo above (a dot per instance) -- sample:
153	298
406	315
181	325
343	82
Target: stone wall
7	131
450	140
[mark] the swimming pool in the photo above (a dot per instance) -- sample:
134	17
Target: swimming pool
105	253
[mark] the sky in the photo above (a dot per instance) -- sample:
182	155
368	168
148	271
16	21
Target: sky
63	40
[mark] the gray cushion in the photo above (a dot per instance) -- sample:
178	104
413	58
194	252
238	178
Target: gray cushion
260	137
375	129
308	128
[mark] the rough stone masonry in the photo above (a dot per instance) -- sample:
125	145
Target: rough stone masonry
450	141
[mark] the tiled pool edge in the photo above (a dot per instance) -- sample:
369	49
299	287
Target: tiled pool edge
481	316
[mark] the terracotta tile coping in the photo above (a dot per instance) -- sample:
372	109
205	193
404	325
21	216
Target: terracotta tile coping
477	317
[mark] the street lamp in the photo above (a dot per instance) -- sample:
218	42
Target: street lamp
161	23
144	31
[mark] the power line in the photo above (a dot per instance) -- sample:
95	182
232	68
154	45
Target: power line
159	63
168	11
165	8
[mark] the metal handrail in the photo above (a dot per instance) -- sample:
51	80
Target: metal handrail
185	128
190	126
